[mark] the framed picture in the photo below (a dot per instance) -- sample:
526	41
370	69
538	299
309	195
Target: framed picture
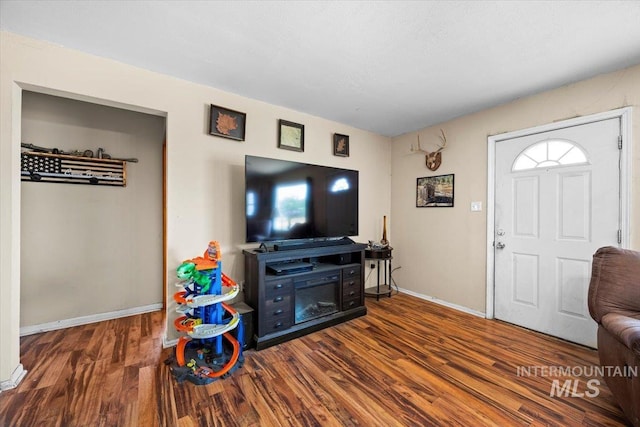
291	136
435	191
340	145
227	123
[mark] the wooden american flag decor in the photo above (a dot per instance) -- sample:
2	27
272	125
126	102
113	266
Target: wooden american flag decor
45	167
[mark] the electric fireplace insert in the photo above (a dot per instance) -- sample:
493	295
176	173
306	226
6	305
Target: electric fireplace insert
316	297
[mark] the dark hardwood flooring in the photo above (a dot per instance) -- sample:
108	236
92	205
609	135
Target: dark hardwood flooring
409	362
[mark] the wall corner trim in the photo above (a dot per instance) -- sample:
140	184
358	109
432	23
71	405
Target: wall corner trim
17	376
167	343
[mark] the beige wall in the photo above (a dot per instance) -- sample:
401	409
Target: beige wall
89	249
443	251
205	174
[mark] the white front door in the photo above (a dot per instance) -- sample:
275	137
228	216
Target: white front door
557	200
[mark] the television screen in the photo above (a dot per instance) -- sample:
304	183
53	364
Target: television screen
291	200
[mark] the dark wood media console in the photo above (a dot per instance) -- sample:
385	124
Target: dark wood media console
290	305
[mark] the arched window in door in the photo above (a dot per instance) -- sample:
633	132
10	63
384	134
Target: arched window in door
550	153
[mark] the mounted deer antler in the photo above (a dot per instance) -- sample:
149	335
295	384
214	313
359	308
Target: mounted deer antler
433	159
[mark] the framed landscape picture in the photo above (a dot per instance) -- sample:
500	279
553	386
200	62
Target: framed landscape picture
291	136
227	123
435	191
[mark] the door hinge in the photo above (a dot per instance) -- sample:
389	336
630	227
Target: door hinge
619	236
619	142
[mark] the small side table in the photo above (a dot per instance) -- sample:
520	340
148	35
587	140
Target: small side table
380	256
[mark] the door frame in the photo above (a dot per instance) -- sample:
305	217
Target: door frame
624	114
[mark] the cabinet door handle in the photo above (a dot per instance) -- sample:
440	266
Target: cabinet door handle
351	283
278	325
278	286
278	299
352	272
278	311
352	293
352	303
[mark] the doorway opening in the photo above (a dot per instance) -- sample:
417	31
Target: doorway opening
91	252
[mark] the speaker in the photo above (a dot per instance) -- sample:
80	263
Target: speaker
246	317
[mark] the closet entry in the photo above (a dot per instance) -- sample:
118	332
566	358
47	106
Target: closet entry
89	252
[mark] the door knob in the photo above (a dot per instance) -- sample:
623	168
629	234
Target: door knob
500	245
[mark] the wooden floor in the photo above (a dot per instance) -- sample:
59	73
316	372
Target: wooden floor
407	363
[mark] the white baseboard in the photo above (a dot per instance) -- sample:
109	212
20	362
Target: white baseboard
169	343
16	377
444	303
85	320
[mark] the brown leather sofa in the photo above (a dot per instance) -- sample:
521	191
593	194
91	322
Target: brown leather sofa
614	302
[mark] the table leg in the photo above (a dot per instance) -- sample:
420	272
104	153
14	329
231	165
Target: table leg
378	285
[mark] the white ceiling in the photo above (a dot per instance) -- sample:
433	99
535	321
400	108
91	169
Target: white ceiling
390	67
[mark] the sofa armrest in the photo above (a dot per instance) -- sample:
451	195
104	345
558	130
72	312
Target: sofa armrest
615	282
625	329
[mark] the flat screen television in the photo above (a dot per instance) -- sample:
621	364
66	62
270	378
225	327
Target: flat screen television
291	200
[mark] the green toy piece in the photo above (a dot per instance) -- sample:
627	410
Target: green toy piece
187	271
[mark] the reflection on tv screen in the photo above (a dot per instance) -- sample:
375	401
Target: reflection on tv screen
292	200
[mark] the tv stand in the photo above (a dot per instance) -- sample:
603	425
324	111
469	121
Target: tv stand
289	245
291	305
